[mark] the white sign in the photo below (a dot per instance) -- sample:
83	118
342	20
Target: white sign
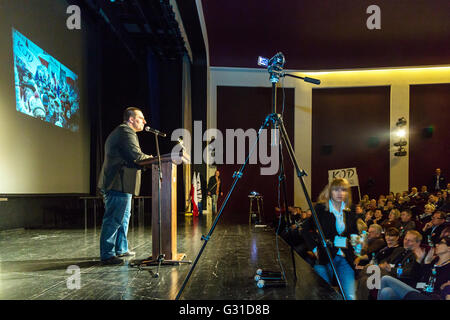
349	173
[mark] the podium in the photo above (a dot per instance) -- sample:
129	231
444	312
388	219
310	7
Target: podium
168	236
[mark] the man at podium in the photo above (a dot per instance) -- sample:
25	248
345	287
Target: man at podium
120	179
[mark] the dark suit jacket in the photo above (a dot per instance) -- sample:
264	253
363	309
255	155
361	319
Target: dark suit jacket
327	221
212	185
442	183
120	171
435	235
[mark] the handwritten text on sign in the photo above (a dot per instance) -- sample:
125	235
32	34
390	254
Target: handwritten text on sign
349	173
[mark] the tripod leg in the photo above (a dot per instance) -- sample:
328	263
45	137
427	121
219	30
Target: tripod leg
236	176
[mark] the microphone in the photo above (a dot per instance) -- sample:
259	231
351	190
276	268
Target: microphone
159	133
258	277
262	272
271	284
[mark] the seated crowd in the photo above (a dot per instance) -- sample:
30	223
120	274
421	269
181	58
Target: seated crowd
407	235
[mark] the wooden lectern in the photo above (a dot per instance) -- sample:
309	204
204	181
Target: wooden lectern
168	196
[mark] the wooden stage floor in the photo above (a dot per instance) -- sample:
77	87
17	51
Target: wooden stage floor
34	264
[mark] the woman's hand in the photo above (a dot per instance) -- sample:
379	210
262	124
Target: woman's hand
429	256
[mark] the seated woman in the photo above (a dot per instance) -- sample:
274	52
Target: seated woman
338	222
434	283
393	221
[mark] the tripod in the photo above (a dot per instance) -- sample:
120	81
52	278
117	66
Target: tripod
275	67
160	259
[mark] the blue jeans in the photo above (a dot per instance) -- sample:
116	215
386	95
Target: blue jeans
393	289
113	238
345	272
214	203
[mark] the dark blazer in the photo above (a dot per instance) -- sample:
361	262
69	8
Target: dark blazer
442	183
435	235
120	171
327	221
212	185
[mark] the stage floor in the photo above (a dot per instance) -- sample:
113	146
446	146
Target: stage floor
34	266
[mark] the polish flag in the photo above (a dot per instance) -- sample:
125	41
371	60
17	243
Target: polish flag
194	198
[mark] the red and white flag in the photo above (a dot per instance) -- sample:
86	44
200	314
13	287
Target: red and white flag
194	199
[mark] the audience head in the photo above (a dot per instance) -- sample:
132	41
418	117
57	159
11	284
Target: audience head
429	208
406	215
378	214
442	247
361	225
359	209
412	240
374	231
423	189
394	214
432	199
392	236
438	171
438	218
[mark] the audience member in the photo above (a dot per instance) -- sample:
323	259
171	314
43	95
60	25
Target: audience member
405	222
424	194
375	243
402	262
391	236
393	220
434	282
433	229
426	216
438	181
376	219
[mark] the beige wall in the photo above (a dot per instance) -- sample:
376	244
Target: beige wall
399	80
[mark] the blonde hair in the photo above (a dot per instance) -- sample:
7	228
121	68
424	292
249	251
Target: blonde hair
416	234
361	225
396	213
325	195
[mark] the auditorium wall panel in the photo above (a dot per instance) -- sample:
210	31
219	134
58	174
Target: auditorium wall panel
429	132
350	128
246	108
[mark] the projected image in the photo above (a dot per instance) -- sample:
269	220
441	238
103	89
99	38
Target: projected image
45	89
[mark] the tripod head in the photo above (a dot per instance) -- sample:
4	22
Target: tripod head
275	67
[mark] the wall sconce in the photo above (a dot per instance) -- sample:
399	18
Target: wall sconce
401	134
